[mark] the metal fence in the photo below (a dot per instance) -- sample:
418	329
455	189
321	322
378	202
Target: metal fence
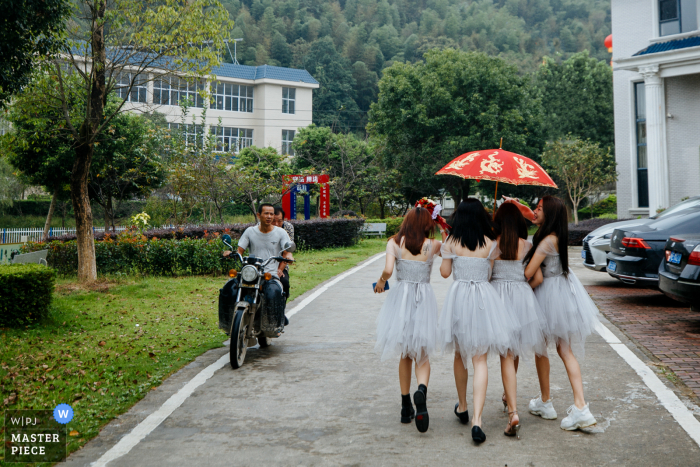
36	234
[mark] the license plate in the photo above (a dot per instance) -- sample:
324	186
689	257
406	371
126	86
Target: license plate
612	266
675	258
583	254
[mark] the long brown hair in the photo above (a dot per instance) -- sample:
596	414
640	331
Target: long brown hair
511	226
415	228
555	222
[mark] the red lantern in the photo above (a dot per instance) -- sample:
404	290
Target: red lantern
608	43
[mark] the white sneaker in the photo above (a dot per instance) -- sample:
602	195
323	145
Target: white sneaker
543	409
578	418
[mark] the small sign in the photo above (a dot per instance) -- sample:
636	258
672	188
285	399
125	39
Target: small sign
324	201
34	436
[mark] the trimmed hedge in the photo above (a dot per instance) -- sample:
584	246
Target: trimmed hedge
578	232
184	251
139	255
313	234
26	293
316	234
393	224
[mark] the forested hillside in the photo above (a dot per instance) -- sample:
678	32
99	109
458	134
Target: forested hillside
346	44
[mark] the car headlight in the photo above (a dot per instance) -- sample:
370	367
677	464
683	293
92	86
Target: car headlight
249	273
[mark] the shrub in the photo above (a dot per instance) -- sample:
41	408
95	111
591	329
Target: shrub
578	232
185	231
26	293
136	254
602	207
316	234
393	224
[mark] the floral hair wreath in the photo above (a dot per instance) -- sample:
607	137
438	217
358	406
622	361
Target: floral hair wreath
434	209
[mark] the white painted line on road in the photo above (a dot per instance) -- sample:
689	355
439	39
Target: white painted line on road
322	289
667	397
151	422
156	418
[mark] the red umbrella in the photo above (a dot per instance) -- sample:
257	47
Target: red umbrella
499	166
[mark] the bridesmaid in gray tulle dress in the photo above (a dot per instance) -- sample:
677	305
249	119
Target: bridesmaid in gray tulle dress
570	312
474	320
407	323
509	280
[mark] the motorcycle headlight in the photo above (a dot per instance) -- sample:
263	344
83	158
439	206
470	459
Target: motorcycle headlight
249	273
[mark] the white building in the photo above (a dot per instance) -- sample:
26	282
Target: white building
656	74
260	106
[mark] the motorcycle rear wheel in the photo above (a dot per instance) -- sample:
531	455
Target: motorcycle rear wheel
239	342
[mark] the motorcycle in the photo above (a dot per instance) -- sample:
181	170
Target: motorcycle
243	314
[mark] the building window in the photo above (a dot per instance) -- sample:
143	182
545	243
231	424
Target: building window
232	139
233	97
137	84
171	90
288	100
677	16
193	134
641	133
287	139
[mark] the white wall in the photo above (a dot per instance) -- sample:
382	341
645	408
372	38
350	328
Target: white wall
633	24
683	136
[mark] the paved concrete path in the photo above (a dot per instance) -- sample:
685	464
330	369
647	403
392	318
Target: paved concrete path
320	396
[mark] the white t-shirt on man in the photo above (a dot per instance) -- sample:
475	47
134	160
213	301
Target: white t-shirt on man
264	245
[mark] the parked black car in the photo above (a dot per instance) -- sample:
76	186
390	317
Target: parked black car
636	252
679	272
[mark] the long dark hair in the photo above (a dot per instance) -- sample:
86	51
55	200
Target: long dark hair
470	224
555	222
511	226
415	228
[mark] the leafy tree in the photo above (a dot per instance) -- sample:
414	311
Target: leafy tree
11	186
127	162
37	148
257	174
127	39
342	156
581	165
577	97
333	102
29	29
429	113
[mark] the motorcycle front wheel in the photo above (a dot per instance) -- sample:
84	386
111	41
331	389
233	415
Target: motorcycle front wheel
239	343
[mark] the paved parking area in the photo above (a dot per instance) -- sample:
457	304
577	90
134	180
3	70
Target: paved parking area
666	329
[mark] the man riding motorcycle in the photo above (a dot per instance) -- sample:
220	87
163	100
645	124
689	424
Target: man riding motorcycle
265	241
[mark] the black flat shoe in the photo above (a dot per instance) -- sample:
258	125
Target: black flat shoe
477	435
407	414
463	416
422	419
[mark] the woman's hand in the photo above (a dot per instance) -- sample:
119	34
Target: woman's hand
379	288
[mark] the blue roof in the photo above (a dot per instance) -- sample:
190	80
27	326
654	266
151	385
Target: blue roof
670	45
230	70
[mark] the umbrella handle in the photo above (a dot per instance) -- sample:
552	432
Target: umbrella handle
494	199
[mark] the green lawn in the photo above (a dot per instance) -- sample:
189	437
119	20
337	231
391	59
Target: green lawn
104	348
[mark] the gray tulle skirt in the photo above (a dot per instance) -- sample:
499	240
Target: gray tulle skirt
532	324
407	323
475	321
570	312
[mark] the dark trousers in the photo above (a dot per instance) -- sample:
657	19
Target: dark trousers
273	305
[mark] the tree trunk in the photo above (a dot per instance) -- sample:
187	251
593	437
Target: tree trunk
575	206
382	214
47	226
87	267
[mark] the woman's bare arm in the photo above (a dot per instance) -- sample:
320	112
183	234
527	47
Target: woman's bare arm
386	273
534	265
537	279
446	268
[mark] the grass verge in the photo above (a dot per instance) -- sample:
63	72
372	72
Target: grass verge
105	347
